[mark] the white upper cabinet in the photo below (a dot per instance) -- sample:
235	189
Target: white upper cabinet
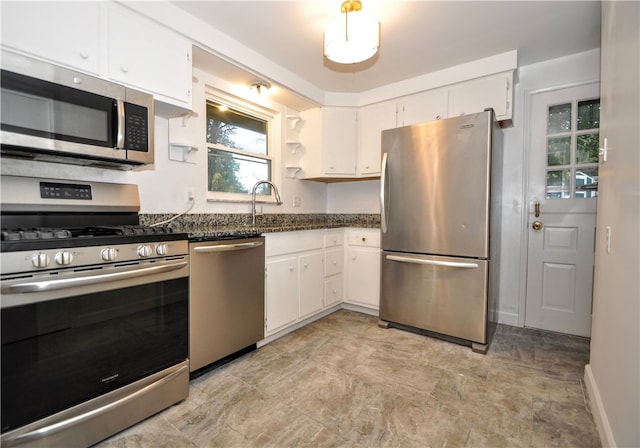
494	91
148	56
65	33
372	120
329	139
423	106
108	40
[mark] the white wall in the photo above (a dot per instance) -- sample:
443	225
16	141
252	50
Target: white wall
362	197
613	375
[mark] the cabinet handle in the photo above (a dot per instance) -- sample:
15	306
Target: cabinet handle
306	265
364	239
335	291
335	262
291	268
124	69
84	55
353	258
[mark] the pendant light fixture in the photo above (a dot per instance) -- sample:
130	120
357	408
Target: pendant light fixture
353	36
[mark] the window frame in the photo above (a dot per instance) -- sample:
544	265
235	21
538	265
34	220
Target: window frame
573	166
260	112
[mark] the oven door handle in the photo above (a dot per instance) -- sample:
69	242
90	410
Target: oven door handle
65	283
227	247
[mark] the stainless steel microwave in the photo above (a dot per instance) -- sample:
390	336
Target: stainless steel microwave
56	114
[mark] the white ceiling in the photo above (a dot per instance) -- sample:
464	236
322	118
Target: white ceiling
418	37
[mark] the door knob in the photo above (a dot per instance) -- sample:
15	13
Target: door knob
537	225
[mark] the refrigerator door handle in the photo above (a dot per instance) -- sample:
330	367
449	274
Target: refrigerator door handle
450	264
383	181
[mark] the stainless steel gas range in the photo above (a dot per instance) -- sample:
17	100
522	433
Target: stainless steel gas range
94	312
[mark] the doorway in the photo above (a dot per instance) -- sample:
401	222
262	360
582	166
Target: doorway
562	196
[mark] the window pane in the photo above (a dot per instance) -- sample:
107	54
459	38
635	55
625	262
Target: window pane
558	184
558	151
587	148
559	118
587	182
589	114
236	130
236	173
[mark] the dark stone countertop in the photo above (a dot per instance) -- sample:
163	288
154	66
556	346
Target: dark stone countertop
211	226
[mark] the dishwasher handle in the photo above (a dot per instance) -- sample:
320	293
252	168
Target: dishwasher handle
227	247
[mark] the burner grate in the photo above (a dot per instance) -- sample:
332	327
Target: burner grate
81	232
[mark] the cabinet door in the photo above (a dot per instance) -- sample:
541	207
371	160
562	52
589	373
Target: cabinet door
339	146
65	33
282	293
146	55
477	95
372	120
422	107
363	276
311	283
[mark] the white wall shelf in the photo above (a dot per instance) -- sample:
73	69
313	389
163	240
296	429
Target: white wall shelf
180	152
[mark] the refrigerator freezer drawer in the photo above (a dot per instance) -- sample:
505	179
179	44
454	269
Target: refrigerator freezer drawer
444	295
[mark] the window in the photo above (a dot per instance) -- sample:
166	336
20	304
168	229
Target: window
237	150
572	150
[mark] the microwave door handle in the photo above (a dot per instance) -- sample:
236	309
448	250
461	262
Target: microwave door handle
120	121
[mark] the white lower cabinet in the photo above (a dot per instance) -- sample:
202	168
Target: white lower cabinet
294	277
333	266
363	267
310	271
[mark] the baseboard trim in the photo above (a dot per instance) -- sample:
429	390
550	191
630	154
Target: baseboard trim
597	409
360	309
508	318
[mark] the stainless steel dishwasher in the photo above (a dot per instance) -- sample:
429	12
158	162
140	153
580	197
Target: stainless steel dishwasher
226	294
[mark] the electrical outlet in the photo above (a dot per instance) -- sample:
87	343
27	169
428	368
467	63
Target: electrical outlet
297	200
189	196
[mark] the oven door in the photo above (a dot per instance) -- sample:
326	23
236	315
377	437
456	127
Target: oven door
82	337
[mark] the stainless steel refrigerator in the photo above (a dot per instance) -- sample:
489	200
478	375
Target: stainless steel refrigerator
440	216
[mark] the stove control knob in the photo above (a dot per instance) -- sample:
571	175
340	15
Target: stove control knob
144	251
40	260
108	254
64	258
161	249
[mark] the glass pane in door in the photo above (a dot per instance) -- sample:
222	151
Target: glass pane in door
588	114
559	119
587	148
587	182
558	151
558	184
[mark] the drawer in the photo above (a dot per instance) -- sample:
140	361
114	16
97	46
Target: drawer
333	290
333	238
333	262
364	237
291	242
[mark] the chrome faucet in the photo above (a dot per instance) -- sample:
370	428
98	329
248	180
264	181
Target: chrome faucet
253	197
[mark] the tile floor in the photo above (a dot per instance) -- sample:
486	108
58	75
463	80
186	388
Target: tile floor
344	382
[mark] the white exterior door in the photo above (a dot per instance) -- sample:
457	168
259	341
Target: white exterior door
563	179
